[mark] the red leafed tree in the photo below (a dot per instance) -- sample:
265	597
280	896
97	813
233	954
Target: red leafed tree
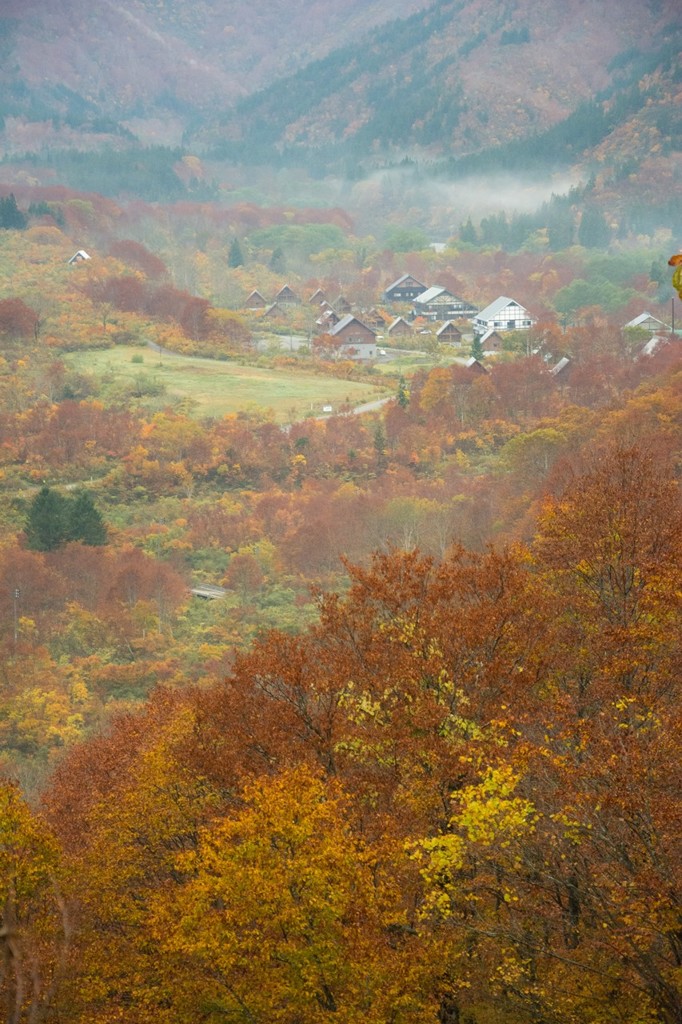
136	255
17	320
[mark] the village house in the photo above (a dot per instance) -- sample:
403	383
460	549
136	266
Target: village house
286	297
405	289
317	298
353	339
275	311
374	318
440	304
647	322
79	257
399	328
255	301
341	304
504	314
328	317
449	333
491	342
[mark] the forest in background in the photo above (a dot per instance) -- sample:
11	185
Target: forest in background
419	763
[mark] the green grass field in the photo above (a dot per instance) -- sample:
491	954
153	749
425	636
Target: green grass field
215	388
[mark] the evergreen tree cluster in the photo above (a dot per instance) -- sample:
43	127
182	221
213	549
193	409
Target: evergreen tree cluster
11	217
236	255
560	218
55	519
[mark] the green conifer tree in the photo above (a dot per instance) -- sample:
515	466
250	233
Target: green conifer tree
11	217
380	448
236	254
277	261
85	522
467	233
47	523
477	347
594	231
403	395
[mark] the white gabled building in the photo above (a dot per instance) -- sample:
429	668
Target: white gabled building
648	323
504	314
78	257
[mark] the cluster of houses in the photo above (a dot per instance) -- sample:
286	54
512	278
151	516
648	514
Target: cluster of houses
355	337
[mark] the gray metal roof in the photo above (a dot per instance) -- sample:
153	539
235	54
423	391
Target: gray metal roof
491	311
642	318
432	293
561	365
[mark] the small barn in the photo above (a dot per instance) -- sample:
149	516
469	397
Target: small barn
341	304
275	311
255	301
79	257
327	318
491	342
449	334
399	328
374	318
287	297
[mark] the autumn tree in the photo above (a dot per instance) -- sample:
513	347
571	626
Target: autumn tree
289	916
35	929
138	256
560	861
244	575
17	319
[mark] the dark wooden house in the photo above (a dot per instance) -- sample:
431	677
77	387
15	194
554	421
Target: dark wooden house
354	339
405	289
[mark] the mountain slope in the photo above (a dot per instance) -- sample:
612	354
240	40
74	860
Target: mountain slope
461	77
459	87
92	66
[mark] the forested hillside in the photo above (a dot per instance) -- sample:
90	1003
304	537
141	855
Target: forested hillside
334	686
446	80
462	78
418	759
157	65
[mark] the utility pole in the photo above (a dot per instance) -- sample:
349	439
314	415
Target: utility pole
17	595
